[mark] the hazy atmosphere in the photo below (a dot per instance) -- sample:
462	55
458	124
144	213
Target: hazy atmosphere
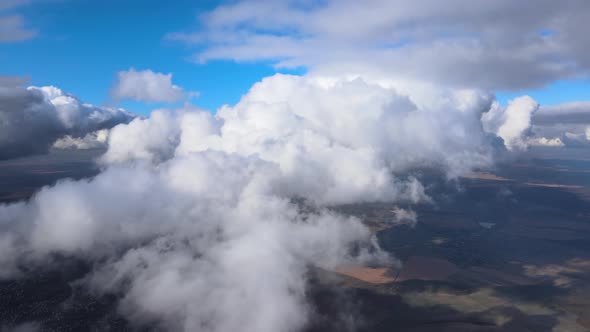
269	166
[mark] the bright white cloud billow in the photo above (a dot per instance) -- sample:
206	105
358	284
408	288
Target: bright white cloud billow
193	220
192	244
148	86
512	123
336	140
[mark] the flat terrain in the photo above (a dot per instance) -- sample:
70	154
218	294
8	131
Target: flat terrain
20	178
506	249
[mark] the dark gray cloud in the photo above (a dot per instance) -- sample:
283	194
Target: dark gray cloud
568	113
565	124
32	119
13	81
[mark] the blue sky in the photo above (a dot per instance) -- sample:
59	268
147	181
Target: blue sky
82	44
555	93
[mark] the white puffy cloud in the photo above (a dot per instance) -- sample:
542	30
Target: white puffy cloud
93	140
542	141
512	123
338	140
499	44
33	118
192	244
196	219
148	86
152	139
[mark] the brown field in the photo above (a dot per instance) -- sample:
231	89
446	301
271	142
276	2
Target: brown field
414	268
484	176
551	185
367	274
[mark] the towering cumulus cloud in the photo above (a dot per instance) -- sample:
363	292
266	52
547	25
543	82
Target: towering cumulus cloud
211	223
512	123
350	133
32	119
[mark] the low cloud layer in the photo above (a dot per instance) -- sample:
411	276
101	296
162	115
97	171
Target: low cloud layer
33	118
197	219
193	245
147	86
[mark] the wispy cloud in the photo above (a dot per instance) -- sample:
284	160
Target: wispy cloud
13	27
